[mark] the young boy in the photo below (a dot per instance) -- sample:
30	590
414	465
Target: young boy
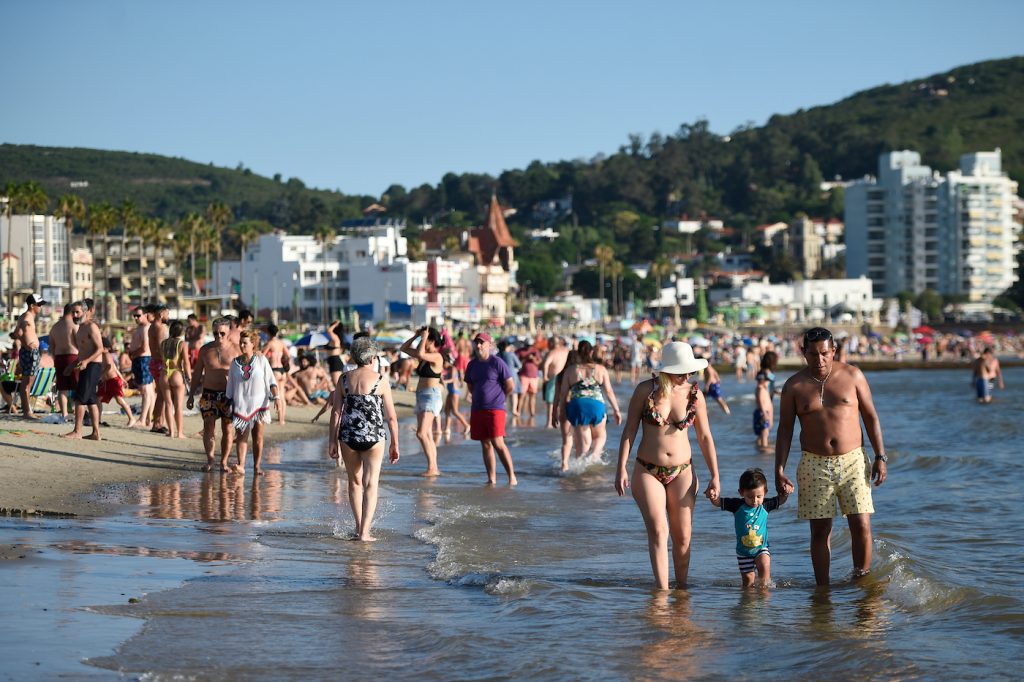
762	411
713	387
750	512
112	383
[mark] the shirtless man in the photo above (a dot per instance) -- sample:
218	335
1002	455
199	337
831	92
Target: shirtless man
158	314
312	380
984	370
90	368
830	398
65	354
277	355
554	362
138	350
211	372
28	355
194	335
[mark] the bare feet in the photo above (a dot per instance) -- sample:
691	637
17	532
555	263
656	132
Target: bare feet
29	415
367	538
207	468
74	435
258	472
181	436
512	480
491	481
431	472
92	436
235	469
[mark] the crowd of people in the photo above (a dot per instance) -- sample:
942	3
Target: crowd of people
241	376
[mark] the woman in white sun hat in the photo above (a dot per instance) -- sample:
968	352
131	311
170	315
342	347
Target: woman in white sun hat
663	478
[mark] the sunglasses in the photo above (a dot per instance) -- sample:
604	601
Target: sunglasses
220	333
136	315
818	334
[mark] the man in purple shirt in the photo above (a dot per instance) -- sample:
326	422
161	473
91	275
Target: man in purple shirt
489	380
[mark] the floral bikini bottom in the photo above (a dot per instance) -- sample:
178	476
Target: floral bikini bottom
665	475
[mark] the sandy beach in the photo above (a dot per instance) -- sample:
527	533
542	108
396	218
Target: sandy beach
44	474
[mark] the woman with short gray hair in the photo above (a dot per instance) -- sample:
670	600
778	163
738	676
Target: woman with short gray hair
362	403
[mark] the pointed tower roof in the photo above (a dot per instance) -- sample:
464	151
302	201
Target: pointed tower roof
492	236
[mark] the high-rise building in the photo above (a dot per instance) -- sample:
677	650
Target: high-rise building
913	229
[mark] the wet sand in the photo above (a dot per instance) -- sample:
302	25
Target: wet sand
44	474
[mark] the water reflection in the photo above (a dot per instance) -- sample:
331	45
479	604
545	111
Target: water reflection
674	639
215	497
84	547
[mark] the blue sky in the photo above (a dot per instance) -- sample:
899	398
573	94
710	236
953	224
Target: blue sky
356	96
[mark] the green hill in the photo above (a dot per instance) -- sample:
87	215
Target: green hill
750	176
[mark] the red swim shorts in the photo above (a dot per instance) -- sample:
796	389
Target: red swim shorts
60	363
486	424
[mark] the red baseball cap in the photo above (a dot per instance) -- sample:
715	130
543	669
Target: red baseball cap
483	336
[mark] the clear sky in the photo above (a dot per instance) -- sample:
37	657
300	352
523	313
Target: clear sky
356	96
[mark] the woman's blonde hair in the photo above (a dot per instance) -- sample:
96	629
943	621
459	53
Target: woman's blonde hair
253	336
665	383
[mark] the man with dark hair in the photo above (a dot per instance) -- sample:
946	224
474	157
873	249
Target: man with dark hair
984	370
138	351
28	354
490	381
830	398
211	373
195	335
158	315
90	369
65	354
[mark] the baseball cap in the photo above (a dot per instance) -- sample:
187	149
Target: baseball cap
32	300
483	336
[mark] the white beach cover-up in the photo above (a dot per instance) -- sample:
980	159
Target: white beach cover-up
250	398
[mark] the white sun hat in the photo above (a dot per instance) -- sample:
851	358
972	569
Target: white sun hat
677	358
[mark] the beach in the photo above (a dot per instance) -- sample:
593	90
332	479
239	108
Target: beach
44	474
550	580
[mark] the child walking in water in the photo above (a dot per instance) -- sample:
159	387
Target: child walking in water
763	411
750	514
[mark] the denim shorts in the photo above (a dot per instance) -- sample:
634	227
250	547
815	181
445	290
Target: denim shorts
429	400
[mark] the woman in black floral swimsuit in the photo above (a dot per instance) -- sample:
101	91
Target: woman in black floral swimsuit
362	405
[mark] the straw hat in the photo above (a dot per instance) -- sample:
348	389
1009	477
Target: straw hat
677	358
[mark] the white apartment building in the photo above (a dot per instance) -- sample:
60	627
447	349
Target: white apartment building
38	259
805	300
913	229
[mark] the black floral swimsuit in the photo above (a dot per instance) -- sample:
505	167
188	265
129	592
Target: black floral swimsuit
362	418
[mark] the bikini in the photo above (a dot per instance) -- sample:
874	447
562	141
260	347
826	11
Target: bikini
651	415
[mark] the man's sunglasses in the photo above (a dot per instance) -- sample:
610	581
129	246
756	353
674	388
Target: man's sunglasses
819	334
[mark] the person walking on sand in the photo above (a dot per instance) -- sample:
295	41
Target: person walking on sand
28	354
251	387
362	403
489	380
90	368
713	387
177	375
664	483
65	354
211	373
428	390
138	351
158	316
830	399
550	368
984	370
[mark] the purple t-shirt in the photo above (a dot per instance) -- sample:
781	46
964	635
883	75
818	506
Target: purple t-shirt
488	379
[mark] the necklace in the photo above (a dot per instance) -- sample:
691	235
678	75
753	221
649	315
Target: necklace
822	382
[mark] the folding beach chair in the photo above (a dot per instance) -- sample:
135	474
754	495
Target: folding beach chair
44	385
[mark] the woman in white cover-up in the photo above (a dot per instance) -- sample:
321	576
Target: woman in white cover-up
252	388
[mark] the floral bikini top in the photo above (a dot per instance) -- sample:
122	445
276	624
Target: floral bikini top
652	416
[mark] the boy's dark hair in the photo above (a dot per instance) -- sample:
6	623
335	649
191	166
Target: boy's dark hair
272	330
752	479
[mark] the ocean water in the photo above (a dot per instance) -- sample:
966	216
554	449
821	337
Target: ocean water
550	580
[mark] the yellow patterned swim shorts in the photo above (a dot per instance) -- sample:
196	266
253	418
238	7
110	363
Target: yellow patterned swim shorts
821	481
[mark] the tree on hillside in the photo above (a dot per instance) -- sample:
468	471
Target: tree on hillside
325	237
70	207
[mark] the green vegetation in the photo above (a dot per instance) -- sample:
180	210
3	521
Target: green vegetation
752	176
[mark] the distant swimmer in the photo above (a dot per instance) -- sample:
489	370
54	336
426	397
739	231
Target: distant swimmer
830	398
984	370
713	388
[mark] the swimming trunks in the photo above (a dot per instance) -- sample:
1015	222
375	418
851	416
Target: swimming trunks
760	423
748	564
88	382
28	362
529	384
66	382
664	474
215	404
486	424
156	368
140	370
110	389
549	389
320	395
983	387
822	481
714	391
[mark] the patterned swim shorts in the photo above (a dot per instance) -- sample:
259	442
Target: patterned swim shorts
215	404
822	481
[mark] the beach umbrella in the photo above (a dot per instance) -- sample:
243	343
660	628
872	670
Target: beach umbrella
313	340
699	341
923	329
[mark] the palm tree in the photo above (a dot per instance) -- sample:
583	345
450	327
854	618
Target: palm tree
247	232
616	268
325	236
70	207
26	198
661	267
218	215
102	219
604	255
192	224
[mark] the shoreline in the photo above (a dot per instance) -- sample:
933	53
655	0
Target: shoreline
44	475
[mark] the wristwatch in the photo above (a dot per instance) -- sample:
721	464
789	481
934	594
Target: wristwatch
882	457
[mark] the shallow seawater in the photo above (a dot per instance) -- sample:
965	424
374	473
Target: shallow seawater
551	580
